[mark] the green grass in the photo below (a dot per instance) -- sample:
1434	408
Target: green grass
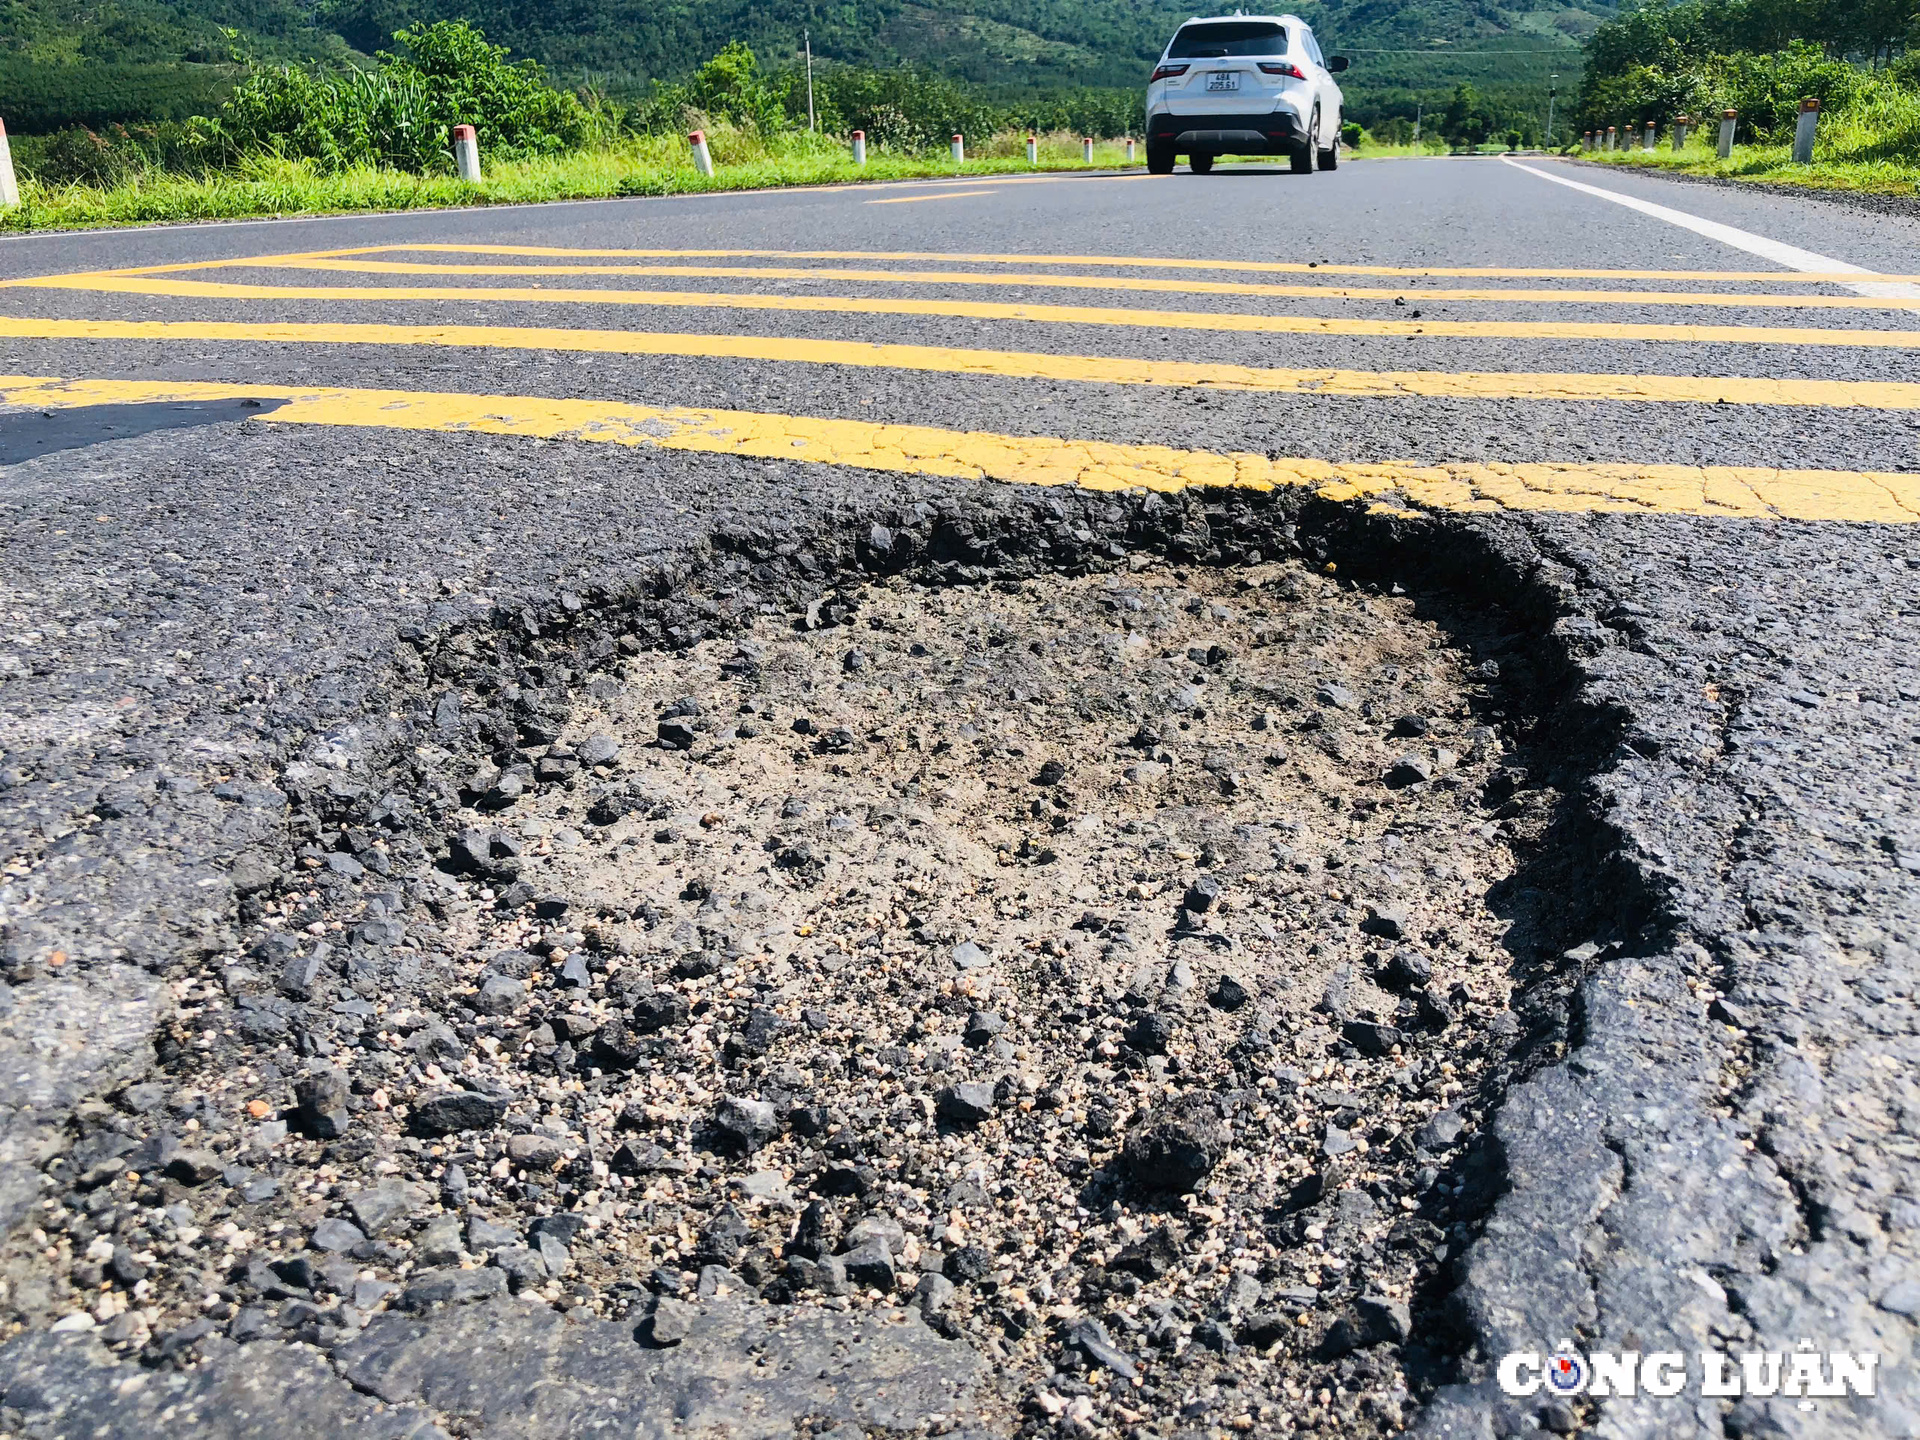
1873	146
652	165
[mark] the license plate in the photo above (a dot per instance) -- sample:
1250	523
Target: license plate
1228	80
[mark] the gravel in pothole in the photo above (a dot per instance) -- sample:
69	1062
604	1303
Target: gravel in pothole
1100	966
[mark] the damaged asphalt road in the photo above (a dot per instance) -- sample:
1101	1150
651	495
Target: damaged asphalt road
1130	962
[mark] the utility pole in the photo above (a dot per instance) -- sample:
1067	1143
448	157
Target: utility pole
1551	92
807	39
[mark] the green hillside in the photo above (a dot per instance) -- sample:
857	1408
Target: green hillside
91	61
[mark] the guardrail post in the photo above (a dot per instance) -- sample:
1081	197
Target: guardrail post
1803	131
466	153
1033	149
859	147
702	157
959	150
1680	124
1727	122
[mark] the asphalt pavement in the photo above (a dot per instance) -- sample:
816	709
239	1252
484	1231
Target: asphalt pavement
263	480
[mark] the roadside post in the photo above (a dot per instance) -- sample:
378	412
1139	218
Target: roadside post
702	157
1680	123
959	150
9	188
1086	151
1803	131
1033	148
1726	133
466	153
1130	149
1613	135
859	147
1653	135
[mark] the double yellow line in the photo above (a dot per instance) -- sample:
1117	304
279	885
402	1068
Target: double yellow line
1165	320
1723	491
1005	364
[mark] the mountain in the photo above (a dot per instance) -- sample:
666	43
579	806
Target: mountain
160	54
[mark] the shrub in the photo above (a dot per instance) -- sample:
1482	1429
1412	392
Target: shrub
1767	89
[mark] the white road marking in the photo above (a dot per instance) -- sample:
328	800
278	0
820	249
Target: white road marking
1790	256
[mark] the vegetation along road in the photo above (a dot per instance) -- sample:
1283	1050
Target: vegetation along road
1026	804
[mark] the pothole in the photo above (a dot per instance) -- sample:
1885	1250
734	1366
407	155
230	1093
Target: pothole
1102	965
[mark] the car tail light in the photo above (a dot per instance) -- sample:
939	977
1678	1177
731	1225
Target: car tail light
1280	67
1167	72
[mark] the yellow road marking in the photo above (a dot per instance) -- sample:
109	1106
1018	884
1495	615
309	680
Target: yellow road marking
1100	282
1026	365
916	199
1728	491
982	310
1133	262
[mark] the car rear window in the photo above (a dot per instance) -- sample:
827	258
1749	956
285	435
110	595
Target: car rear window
1229	37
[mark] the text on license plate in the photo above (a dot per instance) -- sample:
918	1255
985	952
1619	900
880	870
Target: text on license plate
1227	81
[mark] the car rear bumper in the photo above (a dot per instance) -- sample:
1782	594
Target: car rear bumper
1275	133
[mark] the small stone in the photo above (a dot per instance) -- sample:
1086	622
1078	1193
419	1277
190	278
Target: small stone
1228	994
1442	1132
378	1209
871	1266
252	1322
483	1236
666	1323
439	1243
453	1287
854	662
1336	1141
454	1111
967	1103
1387	921
982	1026
500	995
1051	773
194	1167
335	1235
1202	895
1150	1033
563	1228
1409	770
1371	1038
574	973
1407	970
1384	1320
598	749
934	1293
524	1268
969	956
320	1100
301	973
1175	1146
1337	697
1411	727
535	1152
745	1124
1090	1338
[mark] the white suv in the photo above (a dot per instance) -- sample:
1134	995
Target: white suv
1244	85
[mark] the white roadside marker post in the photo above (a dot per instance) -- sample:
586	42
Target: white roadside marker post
860	147
9	188
1130	149
1680	124
1727	121
466	153
1086	151
1613	134
702	157
1803	131
1586	141
959	150
1653	135
1033	149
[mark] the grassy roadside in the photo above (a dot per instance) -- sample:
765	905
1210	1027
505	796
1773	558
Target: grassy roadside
268	187
1871	148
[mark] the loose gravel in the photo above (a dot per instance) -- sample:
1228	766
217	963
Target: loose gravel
1099	969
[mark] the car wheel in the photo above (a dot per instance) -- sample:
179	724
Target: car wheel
1159	159
1303	158
1330	157
1200	164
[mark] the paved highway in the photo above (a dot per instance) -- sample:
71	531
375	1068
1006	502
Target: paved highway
1665	433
